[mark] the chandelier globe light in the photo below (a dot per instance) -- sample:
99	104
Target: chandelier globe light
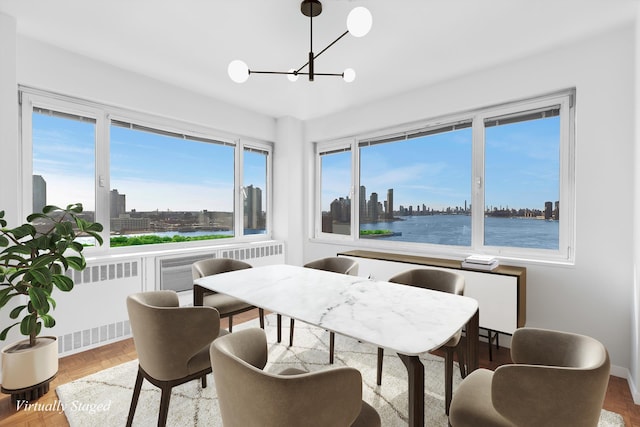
359	23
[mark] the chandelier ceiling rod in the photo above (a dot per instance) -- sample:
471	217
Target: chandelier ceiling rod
358	23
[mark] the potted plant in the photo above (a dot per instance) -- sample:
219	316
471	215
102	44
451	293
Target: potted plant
33	263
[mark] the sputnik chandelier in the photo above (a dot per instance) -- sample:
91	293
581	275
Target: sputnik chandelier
359	23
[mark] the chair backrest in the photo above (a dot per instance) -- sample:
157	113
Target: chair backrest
209	267
251	397
557	379
167	336
432	278
335	264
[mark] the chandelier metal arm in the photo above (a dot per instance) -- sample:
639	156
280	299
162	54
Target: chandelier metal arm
322	51
295	73
358	24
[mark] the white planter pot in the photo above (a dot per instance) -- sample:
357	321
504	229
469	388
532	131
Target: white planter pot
25	368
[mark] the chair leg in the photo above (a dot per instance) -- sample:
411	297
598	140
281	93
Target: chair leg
332	340
291	332
448	378
134	398
230	323
204	381
461	359
165	397
261	313
279	326
380	359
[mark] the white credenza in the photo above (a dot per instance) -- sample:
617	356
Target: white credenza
501	293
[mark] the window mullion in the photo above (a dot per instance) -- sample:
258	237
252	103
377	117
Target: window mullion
477	185
102	180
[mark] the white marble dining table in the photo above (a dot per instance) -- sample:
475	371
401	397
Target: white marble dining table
405	319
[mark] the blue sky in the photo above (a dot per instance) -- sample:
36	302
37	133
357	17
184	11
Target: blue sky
155	172
521	168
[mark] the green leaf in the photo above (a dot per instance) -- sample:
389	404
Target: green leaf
77	263
64	228
38	298
75	208
4	241
5	331
52	302
5	296
16	311
76	246
23	231
50	208
96	226
27	325
49	322
36	215
63	282
41	276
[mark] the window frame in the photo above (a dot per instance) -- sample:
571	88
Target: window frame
344	144
565	254
30	98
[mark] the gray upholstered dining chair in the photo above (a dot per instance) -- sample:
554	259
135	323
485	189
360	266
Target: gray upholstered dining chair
443	281
557	379
227	306
172	344
336	265
250	397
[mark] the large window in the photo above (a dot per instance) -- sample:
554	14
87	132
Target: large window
417	187
147	180
334	165
168	187
255	167
497	181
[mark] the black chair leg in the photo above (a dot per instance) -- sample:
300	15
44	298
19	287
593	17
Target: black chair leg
461	359
204	381
332	341
261	313
291	332
448	378
134	398
230	323
279	325
165	397
380	359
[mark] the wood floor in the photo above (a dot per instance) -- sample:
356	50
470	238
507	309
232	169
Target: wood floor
76	366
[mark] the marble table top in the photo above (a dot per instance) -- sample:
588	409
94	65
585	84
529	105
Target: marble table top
405	319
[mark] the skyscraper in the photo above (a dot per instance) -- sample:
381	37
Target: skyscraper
118	203
253	207
389	213
363	203
39	193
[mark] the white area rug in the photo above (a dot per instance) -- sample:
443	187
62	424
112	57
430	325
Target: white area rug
103	399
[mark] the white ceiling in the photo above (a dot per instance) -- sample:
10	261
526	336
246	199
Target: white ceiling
189	43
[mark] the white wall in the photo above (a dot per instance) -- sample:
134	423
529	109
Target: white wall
635	324
288	188
593	297
46	67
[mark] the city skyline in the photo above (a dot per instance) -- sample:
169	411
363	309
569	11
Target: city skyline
521	167
375	209
142	165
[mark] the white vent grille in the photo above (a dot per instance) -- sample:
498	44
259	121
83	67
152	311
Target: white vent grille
93	337
100	273
174	272
95	313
